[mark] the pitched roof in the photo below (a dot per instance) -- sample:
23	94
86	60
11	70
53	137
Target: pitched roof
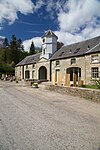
49	33
32	59
78	49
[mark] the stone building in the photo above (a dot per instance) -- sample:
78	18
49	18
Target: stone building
37	66
71	65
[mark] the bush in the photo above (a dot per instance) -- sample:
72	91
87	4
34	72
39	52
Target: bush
97	82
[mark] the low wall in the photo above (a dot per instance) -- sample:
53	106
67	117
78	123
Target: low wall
90	94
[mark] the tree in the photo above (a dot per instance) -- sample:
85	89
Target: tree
16	48
5	43
5	48
11	54
32	49
20	49
59	45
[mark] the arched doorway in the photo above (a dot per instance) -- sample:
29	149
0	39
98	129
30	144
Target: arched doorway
73	76
27	74
42	73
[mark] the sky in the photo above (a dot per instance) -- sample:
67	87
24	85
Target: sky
71	20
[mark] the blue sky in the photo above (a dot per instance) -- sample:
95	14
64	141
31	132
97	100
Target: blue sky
71	20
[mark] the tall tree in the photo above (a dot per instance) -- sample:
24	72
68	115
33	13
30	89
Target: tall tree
5	49
14	50
5	43
32	49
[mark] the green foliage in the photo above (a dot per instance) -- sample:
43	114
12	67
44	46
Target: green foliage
32	49
11	54
97	83
59	45
90	86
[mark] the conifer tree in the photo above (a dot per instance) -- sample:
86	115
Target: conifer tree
5	43
32	49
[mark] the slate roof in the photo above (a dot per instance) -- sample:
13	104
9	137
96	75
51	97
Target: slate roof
32	59
78	49
49	33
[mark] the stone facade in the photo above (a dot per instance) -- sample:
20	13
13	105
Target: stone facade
37	67
83	63
32	71
72	65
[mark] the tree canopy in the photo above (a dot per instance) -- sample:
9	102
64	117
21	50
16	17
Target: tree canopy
10	54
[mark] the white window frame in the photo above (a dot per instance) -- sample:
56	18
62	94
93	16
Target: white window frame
95	58
95	72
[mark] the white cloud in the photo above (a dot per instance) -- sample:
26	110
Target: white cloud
66	37
2	37
77	19
79	13
10	8
27	43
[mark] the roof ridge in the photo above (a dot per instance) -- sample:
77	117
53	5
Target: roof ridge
83	41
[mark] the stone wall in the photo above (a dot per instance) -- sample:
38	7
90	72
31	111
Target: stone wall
82	62
90	94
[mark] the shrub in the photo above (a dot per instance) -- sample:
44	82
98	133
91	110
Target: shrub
97	82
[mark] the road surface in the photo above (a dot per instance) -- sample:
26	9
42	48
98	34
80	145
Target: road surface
37	119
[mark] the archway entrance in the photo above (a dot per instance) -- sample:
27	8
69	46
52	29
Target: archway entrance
73	76
27	74
42	73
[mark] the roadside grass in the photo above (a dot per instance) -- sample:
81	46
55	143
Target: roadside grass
91	86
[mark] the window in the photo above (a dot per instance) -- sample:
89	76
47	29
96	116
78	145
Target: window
88	47
73	61
43	40
94	58
33	66
57	63
20	73
70	51
95	72
33	74
26	66
43	51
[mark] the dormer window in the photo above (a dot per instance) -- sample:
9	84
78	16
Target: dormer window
94	58
88	47
70	51
77	50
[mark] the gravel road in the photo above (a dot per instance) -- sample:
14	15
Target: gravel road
37	119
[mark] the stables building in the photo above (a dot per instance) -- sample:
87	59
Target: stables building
71	65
